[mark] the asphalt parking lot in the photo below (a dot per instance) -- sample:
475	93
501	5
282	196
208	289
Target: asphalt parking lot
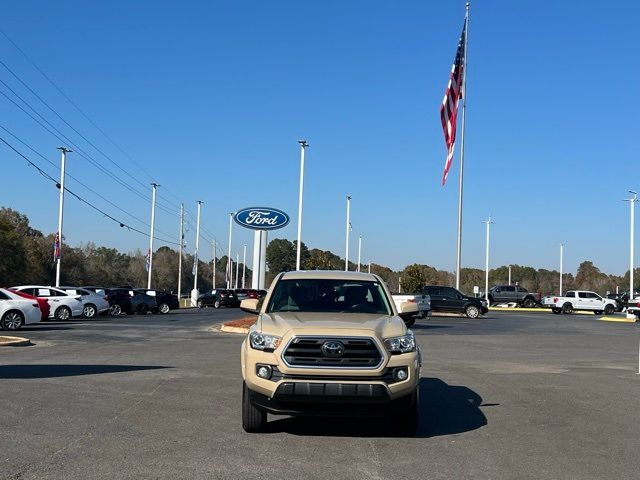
525	396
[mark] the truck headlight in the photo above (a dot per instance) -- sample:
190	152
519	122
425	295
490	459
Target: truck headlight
404	344
263	341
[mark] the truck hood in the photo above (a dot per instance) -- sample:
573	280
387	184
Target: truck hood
311	323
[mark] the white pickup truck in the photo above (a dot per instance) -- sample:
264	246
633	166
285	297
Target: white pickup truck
634	307
579	300
423	301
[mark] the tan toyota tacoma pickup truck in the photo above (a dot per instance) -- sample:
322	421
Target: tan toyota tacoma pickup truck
330	343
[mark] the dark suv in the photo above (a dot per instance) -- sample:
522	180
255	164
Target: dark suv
448	299
513	294
218	298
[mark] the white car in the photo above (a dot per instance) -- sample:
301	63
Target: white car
63	306
579	300
92	303
16	311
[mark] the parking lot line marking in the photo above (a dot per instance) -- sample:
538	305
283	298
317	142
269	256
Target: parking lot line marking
618	319
537	310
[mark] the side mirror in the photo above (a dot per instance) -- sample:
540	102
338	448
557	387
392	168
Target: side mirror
250	305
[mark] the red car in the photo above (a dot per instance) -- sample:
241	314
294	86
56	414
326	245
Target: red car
42	303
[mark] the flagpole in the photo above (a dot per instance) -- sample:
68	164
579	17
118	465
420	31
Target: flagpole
460	186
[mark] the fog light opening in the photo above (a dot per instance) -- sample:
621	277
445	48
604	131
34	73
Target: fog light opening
264	371
401	374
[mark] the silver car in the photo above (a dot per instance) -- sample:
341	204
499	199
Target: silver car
92	303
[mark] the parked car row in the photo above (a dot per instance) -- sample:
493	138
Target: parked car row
222	297
65	302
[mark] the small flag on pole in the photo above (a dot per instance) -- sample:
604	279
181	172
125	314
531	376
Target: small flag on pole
147	261
452	95
56	248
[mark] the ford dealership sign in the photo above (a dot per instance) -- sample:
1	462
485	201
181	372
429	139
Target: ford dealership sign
261	218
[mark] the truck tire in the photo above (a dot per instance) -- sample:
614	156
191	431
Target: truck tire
567	308
253	420
472	311
409	321
529	303
405	415
609	309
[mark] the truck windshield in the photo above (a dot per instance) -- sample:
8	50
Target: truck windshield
326	295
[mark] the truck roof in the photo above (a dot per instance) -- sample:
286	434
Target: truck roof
329	275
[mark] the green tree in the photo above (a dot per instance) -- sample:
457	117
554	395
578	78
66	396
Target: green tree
281	256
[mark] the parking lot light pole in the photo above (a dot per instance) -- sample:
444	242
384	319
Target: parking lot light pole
509	274
303	146
213	265
486	271
359	251
346	254
58	247
369	268
154	186
195	265
237	267
561	259
244	263
229	267
632	203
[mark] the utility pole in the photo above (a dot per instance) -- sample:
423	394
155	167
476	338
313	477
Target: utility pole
303	146
58	247
195	260
213	264
359	251
561	261
154	186
229	267
346	255
486	271
180	247
244	263
632	203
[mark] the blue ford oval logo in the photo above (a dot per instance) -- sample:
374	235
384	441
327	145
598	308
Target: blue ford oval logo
261	218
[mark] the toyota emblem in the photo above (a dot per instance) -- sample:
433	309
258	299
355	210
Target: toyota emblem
332	349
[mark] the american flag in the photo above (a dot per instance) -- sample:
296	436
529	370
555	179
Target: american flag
56	248
449	107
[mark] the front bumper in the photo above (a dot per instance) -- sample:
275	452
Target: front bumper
327	391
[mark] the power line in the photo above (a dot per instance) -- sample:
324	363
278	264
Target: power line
33	64
81	199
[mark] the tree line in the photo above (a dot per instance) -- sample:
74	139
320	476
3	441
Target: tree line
26	257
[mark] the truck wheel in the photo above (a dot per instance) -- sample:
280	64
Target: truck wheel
472	311
609	309
253	420
528	303
556	310
410	321
567	308
216	304
405	415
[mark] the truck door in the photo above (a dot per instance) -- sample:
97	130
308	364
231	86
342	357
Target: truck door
437	303
583	301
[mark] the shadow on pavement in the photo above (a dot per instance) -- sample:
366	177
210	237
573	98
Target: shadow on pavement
50	371
444	410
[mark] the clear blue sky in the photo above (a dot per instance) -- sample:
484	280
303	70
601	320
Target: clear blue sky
211	98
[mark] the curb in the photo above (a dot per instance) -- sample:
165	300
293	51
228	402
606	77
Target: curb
618	319
13	341
536	310
226	328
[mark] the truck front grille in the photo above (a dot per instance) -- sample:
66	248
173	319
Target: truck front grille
359	352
